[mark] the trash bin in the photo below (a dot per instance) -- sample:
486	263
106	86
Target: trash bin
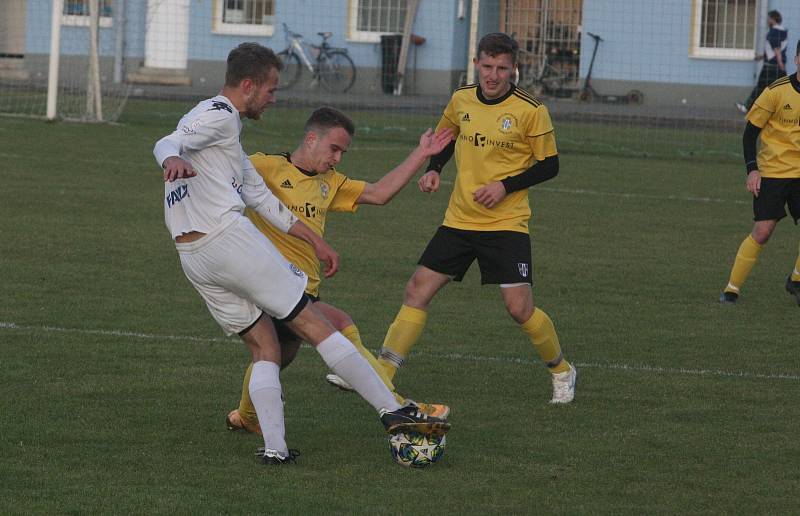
390	54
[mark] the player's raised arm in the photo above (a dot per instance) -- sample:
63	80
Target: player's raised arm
382	191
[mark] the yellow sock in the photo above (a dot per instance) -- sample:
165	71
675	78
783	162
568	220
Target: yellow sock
246	408
796	271
745	259
352	334
402	335
542	333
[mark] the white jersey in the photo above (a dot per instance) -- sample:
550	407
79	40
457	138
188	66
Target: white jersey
226	181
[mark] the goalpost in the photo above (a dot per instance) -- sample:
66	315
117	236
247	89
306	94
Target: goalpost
78	75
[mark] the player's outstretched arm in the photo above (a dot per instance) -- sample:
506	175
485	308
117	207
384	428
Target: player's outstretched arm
322	249
382	191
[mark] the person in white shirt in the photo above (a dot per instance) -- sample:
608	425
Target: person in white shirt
239	273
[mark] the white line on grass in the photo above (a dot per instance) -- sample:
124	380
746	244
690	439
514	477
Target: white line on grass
446	356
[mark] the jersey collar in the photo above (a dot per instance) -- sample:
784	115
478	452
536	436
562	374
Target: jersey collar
498	100
302	171
795	82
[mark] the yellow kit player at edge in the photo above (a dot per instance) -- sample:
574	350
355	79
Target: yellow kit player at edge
773	176
504	144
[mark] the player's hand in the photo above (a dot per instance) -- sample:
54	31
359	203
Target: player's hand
328	256
490	194
754	182
177	168
429	182
432	144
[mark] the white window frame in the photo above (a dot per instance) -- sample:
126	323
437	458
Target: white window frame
82	20
239	29
361	36
736	54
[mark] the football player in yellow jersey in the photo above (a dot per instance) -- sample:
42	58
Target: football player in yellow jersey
504	144
773	175
309	185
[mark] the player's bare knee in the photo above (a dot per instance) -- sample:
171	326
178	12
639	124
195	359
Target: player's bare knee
413	295
520	311
762	231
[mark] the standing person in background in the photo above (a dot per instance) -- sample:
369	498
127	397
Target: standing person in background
774	58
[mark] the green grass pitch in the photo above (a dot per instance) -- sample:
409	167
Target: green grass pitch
115	379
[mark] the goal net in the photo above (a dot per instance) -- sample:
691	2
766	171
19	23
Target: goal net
65	55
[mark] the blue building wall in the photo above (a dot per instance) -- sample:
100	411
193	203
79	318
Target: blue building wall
650	40
436	20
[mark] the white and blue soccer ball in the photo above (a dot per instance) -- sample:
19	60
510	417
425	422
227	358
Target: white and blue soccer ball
416	450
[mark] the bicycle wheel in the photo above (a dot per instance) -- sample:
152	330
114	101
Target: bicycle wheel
291	70
336	70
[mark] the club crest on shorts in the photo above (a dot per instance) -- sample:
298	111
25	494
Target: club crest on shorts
296	270
523	269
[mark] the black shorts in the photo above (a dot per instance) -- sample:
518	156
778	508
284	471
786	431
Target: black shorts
775	194
285	334
504	257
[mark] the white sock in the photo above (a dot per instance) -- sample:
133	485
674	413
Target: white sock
265	391
345	360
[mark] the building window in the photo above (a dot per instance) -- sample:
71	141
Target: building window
244	17
369	19
76	12
724	29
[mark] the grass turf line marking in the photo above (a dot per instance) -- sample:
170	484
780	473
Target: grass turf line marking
639	368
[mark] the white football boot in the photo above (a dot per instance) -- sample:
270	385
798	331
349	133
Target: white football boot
564	385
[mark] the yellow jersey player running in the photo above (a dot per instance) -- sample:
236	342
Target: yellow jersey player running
309	185
504	144
773	175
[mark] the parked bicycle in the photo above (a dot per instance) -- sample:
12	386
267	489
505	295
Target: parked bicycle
537	75
331	67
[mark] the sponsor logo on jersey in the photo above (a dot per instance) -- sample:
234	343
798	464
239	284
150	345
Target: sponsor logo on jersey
324	189
219	106
296	270
523	269
481	140
191	128
287	184
177	195
465	118
308	210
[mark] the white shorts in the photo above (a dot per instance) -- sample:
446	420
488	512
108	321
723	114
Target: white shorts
239	273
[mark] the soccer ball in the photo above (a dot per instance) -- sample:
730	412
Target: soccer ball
416	450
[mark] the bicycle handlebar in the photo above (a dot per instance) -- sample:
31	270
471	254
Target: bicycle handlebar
290	32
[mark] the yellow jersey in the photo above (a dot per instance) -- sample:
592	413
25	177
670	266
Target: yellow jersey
495	139
777	112
310	196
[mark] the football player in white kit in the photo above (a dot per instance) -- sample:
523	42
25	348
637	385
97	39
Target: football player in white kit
239	273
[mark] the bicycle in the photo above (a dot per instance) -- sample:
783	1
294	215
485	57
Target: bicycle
539	77
332	66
